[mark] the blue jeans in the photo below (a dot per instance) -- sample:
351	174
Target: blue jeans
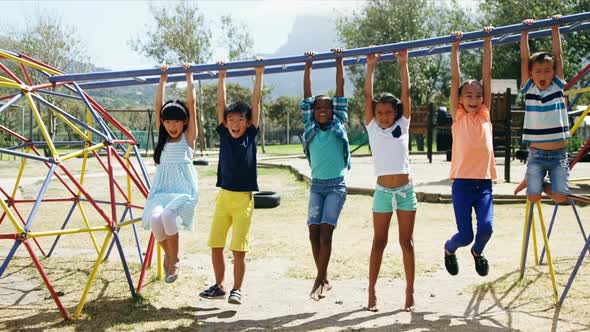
471	194
326	199
539	163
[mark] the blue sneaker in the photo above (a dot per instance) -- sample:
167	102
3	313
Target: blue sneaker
213	292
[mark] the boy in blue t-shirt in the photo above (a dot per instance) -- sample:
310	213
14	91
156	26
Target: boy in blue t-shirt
326	147
546	127
237	177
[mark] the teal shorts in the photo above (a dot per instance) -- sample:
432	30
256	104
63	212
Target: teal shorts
386	200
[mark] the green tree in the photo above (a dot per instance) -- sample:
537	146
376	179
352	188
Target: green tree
285	113
236	39
576	46
180	35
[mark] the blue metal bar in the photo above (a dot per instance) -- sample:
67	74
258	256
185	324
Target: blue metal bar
142	167
549	231
70	117
574	272
39	197
324	64
106	257
526	243
103	202
579	220
98	119
10	102
9	257
124	262
62	227
26	155
58	94
514	28
136	238
11	53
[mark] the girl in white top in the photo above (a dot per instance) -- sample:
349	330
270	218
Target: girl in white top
388	122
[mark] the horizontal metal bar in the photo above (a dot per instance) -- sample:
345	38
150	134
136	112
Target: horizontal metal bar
58	94
328	64
328	55
26	155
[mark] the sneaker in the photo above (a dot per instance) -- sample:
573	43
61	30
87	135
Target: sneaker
451	264
481	265
235	296
213	292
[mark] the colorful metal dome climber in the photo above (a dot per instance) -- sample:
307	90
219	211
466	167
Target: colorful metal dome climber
98	135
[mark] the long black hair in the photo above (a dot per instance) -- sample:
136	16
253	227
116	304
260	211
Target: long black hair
171	110
388	98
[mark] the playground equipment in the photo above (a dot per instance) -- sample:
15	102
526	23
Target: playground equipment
100	132
529	223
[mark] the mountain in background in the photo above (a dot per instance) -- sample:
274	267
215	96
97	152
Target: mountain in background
309	33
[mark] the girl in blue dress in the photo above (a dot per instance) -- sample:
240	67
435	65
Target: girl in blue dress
173	195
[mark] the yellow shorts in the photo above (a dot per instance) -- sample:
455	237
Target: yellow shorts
232	208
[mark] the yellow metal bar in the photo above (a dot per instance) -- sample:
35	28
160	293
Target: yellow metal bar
69	231
549	260
41	124
85	219
12	85
129	222
535	249
128	163
101	255
577	91
160	270
20	173
6	79
71	125
28	63
77	153
580	120
526	220
16	225
83	169
579	180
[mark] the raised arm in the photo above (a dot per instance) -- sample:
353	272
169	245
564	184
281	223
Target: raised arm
557	48
221	94
339	72
487	68
160	94
191	131
455	73
307	74
402	57
257	94
525	54
371	62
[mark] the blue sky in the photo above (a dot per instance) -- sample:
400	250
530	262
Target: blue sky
106	26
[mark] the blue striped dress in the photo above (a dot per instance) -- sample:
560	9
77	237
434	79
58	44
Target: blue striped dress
174	185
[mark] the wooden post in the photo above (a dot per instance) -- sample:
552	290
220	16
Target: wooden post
508	135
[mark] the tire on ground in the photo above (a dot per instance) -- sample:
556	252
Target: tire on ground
266	200
201	162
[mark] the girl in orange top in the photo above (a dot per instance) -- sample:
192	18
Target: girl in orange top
472	165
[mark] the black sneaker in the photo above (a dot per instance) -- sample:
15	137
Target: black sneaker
481	265
451	264
213	292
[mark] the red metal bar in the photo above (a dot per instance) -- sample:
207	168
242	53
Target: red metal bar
112	183
61	308
579	198
576	78
8	97
86	194
9	236
120	141
2	217
56	174
580	154
47	85
9	73
146	262
106	170
140	179
33	60
22	66
137	183
14	134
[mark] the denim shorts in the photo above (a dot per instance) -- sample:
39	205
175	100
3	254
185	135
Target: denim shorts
541	162
387	200
326	199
